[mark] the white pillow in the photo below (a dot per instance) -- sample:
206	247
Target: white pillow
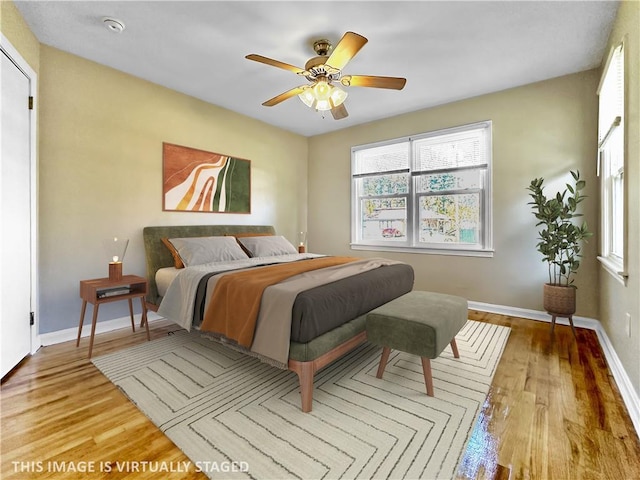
267	246
200	250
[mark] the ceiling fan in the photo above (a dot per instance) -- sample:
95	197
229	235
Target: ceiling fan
324	69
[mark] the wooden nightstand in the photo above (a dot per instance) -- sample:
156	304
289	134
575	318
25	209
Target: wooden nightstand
103	290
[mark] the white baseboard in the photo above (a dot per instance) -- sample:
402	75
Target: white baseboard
69	334
628	393
582	322
631	399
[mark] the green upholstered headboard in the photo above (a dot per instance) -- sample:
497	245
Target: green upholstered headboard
158	256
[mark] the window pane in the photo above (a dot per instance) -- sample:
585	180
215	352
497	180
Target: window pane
385	185
459	180
382	159
462	149
617	214
450	219
613	204
615	148
384	219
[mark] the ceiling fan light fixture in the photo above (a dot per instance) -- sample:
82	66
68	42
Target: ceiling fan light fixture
322	96
338	96
307	97
323	105
322	90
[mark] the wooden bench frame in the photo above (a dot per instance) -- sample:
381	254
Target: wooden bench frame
426	365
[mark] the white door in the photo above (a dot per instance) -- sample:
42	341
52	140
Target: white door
15	208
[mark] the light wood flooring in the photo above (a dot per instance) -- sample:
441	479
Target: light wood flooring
553	411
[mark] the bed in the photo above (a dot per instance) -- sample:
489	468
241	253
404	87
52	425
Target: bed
332	333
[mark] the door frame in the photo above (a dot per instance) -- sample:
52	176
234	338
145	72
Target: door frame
21	63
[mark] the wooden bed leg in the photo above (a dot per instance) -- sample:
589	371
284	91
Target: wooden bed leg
306	370
305	374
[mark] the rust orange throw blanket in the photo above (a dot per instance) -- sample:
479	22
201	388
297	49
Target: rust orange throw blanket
235	301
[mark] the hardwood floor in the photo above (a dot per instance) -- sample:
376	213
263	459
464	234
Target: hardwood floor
553	411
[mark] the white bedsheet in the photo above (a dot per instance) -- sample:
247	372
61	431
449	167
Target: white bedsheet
164	277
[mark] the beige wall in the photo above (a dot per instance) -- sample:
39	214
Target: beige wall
17	32
101	134
544	129
615	299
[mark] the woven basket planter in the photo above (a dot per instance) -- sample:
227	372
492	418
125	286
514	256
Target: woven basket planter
559	300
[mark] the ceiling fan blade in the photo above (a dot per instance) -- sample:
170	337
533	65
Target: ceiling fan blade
395	83
339	112
347	47
276	63
284	96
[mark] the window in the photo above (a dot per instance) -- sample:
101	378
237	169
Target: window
426	193
611	166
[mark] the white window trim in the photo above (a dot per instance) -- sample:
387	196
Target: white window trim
615	269
613	264
476	252
444	249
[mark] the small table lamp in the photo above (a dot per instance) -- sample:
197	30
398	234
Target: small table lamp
302	240
116	248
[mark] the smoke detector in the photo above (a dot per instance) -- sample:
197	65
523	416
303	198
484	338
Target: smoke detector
115	26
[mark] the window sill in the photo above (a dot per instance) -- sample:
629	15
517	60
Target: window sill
615	269
430	251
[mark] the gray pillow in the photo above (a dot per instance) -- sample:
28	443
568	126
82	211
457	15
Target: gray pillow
267	246
200	250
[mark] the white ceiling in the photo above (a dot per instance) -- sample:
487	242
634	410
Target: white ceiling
447	50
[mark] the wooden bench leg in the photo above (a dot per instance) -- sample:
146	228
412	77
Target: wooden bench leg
428	379
454	347
383	361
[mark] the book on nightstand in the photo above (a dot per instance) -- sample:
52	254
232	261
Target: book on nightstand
112	292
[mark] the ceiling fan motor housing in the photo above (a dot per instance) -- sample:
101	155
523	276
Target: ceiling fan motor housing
317	68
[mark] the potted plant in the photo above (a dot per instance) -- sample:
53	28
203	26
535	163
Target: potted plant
560	242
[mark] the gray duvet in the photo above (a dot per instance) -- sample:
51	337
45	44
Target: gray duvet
323	308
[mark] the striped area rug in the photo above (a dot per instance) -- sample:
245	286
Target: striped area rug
220	406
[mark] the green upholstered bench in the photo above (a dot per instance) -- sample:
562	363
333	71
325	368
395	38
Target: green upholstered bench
419	323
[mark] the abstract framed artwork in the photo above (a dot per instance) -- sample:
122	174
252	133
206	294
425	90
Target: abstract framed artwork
199	181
